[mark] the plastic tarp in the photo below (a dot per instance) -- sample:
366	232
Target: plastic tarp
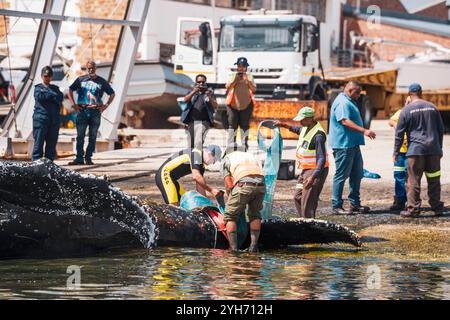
273	148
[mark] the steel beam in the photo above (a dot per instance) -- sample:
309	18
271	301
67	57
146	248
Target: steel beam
62	18
122	67
44	49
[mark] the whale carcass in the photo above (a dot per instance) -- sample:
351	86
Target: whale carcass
46	210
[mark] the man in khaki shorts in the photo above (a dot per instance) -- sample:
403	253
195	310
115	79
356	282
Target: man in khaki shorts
244	183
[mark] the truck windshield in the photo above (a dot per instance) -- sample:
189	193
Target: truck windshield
259	38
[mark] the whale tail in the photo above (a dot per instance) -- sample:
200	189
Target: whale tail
282	233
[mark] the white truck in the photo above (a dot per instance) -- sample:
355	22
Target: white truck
282	49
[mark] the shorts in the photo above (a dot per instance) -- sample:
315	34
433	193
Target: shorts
240	198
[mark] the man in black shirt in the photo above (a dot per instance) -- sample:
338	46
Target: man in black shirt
199	112
424	128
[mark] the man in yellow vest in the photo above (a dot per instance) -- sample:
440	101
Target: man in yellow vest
245	187
400	165
312	160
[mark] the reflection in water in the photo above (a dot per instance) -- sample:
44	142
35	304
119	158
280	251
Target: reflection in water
170	273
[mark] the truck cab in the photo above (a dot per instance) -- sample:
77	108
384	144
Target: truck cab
282	49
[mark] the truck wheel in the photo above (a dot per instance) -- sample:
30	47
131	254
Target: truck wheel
366	110
317	89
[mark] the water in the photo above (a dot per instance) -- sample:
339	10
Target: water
318	272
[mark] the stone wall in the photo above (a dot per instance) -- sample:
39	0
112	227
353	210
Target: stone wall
104	45
389	32
3	27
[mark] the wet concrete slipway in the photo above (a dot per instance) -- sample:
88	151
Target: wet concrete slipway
401	258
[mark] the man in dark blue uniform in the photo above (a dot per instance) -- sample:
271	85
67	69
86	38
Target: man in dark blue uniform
90	89
46	116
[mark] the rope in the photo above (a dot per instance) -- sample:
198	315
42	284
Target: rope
92	42
215	229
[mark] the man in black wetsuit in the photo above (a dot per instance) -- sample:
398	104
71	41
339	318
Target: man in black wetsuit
182	164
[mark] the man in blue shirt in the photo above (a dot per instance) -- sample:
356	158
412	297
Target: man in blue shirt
90	89
46	116
345	136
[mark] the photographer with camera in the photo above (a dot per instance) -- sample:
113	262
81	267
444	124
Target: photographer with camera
241	88
199	112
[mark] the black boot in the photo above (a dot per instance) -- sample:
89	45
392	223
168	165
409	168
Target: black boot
232	239
398	205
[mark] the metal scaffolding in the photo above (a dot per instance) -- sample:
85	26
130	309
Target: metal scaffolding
51	20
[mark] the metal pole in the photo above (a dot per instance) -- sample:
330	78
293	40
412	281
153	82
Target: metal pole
273	5
44	49
122	67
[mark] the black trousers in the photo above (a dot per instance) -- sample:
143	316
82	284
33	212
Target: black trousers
417	166
241	119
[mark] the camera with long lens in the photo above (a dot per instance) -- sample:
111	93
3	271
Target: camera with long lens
203	87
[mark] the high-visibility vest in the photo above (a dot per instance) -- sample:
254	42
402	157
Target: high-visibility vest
243	164
306	158
231	98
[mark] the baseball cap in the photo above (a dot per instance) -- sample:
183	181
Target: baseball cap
243	61
415	87
215	150
47	71
305	112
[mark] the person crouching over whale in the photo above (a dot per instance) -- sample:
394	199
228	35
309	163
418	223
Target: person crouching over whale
183	163
245	186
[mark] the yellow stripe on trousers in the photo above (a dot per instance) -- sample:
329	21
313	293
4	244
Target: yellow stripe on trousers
433	174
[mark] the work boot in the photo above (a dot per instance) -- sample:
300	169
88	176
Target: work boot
359	209
439	211
76	163
398	205
254	237
89	162
342	212
232	239
253	249
409	214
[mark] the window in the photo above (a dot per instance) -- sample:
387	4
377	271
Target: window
196	35
316	8
259	38
310	36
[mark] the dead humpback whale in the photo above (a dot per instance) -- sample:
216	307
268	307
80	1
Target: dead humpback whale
46	210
